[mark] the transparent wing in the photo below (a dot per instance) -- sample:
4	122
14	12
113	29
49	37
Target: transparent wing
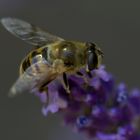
36	75
28	32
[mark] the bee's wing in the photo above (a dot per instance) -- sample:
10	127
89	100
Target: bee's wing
28	32
36	75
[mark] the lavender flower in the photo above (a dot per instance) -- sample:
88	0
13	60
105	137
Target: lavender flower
97	106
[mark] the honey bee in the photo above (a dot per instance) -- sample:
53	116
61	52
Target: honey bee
52	57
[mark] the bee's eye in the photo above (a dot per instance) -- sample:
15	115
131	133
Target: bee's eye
92	61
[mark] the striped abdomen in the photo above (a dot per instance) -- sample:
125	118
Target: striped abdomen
33	57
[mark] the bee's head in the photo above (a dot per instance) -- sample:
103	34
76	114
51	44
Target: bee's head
94	56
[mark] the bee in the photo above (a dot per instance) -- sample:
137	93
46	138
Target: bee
51	57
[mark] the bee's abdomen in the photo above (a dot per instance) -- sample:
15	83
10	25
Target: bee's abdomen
28	60
25	64
32	58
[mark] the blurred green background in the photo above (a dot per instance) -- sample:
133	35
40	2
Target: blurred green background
113	25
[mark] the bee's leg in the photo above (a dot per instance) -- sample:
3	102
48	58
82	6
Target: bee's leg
82	75
79	73
44	86
65	83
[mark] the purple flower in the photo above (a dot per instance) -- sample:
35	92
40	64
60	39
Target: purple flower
97	106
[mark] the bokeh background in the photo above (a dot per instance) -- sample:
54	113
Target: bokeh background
113	25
